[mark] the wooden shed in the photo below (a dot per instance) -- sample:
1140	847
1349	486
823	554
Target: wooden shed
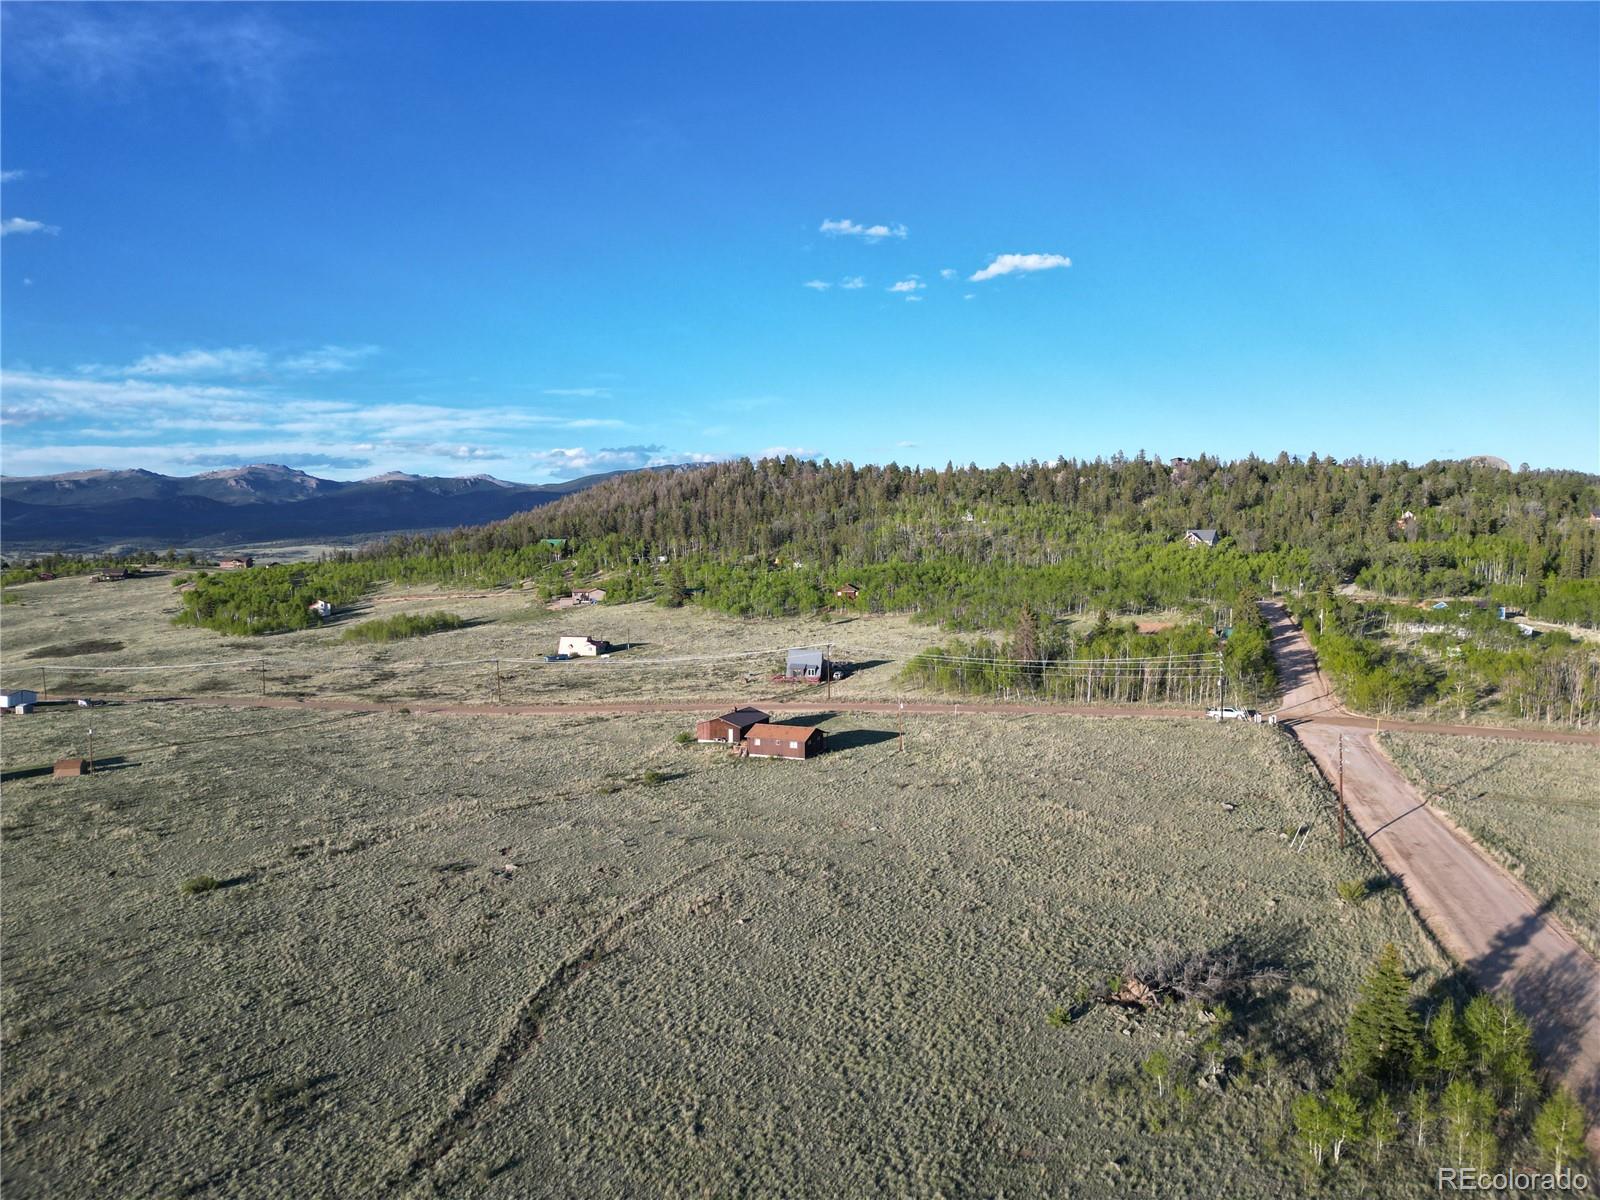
730	727
784	741
70	766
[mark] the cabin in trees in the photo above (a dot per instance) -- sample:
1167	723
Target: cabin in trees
730	727
320	608
588	595
582	647
784	741
236	564
1200	537
848	591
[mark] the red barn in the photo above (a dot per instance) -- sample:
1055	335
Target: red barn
784	741
729	727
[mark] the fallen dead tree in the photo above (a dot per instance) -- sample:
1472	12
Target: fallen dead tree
1167	972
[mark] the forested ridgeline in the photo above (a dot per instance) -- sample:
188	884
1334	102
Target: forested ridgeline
952	542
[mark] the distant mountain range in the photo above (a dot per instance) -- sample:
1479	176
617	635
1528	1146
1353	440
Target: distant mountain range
96	510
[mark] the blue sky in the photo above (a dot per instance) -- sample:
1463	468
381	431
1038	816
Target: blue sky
539	241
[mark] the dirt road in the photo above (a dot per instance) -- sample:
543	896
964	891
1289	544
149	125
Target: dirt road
1482	915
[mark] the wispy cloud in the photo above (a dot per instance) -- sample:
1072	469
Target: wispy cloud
1008	264
580	460
817	285
326	359
911	284
869	233
22	225
913	299
12	176
237	362
852	283
948	272
244	53
582	393
785	451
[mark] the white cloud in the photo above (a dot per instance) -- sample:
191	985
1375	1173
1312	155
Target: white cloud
907	285
1006	264
906	445
326	359
12	176
583	393
947	272
816	285
852	283
22	225
784	451
970	296
870	233
239	360
913	299
236	362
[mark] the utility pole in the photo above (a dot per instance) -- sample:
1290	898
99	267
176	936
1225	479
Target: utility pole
1222	685
1341	791
41	683
91	748
263	681
497	681
902	727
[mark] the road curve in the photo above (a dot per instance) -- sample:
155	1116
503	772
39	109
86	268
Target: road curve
1506	938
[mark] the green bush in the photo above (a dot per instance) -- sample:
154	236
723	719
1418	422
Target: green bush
405	625
653	779
1352	891
200	883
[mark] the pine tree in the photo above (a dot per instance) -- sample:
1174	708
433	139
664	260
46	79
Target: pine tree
1558	1129
1381	1042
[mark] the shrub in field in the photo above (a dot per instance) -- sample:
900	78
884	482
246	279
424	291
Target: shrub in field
198	884
653	779
684	738
405	625
1352	891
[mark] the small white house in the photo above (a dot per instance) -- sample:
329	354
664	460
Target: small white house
582	647
18	697
320	608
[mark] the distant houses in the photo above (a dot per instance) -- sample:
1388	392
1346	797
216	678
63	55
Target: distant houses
588	595
1200	537
579	646
236	564
848	591
320	608
18	700
730	727
111	575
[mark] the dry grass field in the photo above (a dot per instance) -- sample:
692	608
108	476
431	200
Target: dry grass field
470	957
64	624
1535	807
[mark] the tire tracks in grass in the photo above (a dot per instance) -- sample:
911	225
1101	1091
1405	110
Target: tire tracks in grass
522	1034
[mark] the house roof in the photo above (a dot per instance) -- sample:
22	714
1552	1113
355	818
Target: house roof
795	733
806	656
744	718
1208	536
